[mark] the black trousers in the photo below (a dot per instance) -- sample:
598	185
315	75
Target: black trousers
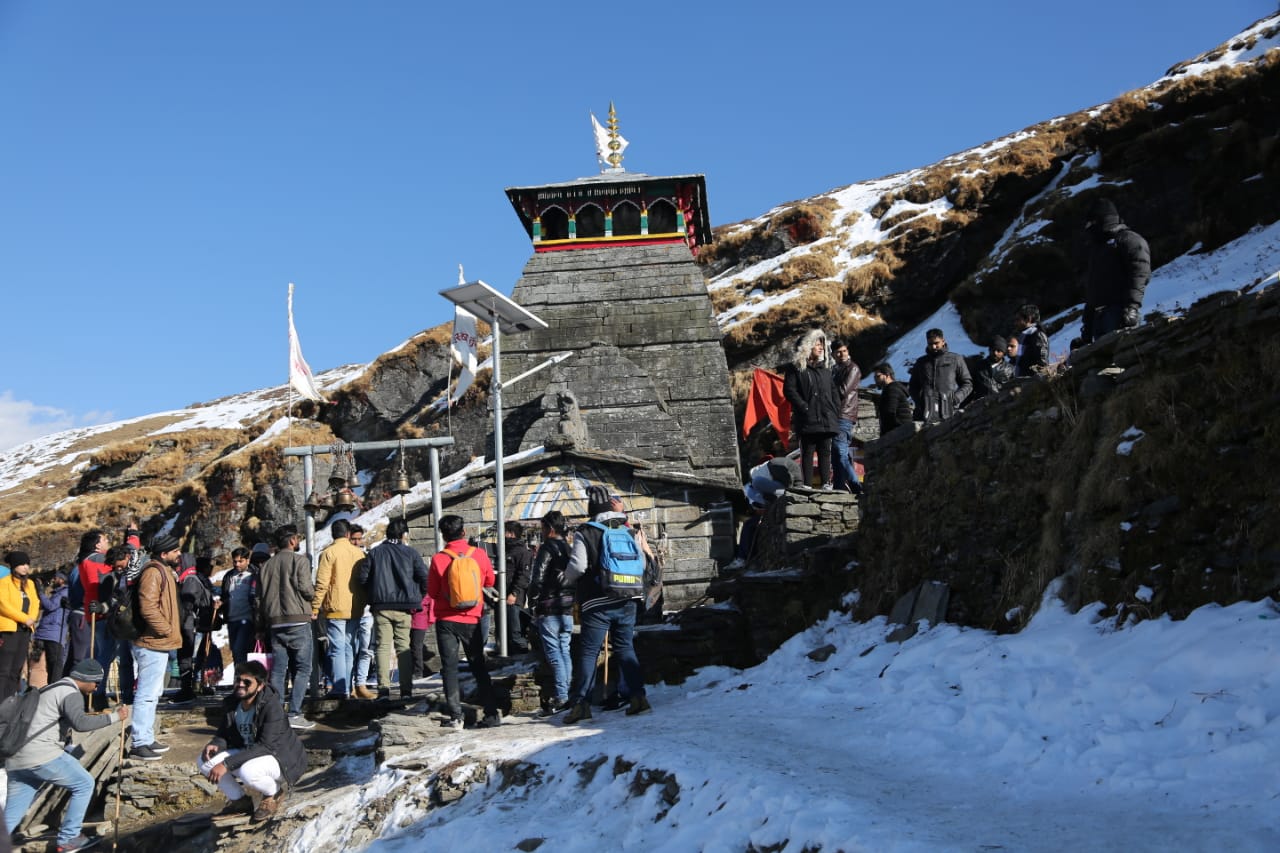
13	654
821	442
455	638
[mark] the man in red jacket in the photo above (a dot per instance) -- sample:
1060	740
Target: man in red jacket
457	629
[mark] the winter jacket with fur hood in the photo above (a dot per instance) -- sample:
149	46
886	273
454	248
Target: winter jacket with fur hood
810	388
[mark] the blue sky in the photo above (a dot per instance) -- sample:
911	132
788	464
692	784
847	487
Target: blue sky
167	168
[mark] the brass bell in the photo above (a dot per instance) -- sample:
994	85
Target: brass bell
319	500
402	485
345	500
337	477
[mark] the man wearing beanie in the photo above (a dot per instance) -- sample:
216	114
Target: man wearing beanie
159	632
60	709
1119	269
601	612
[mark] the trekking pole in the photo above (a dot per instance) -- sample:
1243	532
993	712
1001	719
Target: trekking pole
93	631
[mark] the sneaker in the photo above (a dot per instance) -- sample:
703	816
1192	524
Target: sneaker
297	721
144	753
180	701
80	842
490	721
159	747
362	692
614	703
554	706
454	723
828	487
639	705
578	713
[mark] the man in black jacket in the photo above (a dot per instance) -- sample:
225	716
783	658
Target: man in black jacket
894	405
396	580
254	748
939	380
1119	269
519	572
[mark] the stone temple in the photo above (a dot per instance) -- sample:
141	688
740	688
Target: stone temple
613	274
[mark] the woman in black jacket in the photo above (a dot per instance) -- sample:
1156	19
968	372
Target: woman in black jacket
815	409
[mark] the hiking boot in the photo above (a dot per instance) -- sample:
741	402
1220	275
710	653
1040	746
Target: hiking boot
297	721
80	842
639	705
613	703
490	721
144	753
266	809
362	692
158	747
454	723
578	713
554	706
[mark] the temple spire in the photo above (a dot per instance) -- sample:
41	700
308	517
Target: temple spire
609	143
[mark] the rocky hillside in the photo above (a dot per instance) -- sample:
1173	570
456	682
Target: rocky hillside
1192	161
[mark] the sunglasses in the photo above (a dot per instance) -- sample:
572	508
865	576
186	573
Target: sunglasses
245	682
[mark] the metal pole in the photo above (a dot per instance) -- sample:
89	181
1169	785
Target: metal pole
437	505
308	485
498	487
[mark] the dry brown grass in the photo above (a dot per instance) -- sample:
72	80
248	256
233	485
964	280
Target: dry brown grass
881	207
850	219
930	186
724	298
818	305
867	279
805	268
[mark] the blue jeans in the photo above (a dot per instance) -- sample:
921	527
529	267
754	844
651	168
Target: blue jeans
844	474
291	648
364	649
241	637
618	620
556	631
65	772
153	671
344	635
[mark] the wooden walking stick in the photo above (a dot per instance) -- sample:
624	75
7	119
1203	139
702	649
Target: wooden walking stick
115	839
93	632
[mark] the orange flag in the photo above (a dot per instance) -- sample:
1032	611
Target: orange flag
767	402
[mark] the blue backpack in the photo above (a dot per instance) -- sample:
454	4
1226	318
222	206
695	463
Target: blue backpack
621	563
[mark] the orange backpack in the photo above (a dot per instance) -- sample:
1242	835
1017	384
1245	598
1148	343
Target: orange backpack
462	579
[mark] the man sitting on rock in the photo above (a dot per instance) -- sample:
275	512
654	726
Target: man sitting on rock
255	747
60	708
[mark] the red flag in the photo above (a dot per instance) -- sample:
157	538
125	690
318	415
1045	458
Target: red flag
767	401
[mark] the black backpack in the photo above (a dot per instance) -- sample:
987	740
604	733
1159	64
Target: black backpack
16	714
121	609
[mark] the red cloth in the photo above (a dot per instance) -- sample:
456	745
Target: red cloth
438	588
767	401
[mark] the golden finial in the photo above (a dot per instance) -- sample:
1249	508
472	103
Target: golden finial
615	147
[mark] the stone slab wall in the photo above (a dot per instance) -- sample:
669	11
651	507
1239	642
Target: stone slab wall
656	382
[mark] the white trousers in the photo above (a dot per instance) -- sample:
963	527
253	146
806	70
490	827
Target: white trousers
262	774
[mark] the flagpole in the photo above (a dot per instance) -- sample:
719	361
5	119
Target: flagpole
289	372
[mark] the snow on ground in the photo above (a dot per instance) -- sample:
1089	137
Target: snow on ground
1070	735
1236	53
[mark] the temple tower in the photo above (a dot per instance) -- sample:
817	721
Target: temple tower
614	276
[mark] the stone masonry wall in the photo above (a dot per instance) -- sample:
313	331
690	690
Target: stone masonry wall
651	304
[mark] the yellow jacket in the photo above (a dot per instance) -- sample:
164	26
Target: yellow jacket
11	615
338	591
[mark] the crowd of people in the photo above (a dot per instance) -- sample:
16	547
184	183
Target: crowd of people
121	625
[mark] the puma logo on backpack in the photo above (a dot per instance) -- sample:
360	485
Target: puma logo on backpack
621	563
462	580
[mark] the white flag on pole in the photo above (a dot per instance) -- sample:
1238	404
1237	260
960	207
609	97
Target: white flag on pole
463	347
299	371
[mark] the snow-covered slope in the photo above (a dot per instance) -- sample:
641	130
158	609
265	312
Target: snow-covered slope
1072	735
